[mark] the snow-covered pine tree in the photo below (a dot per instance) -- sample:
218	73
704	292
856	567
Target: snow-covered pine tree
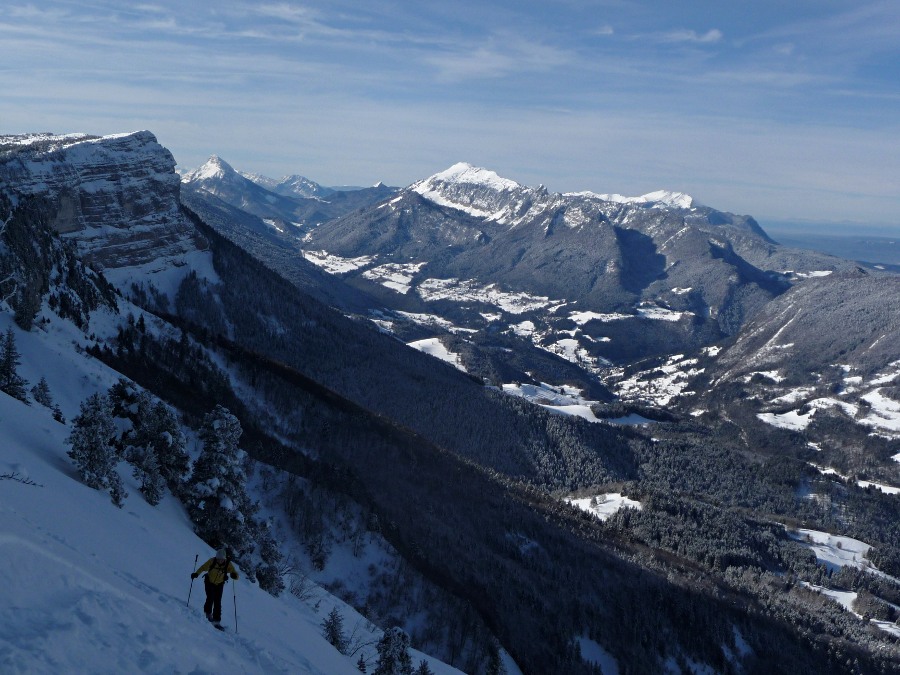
93	450
10	381
361	664
170	446
154	425
423	669
122	398
216	495
146	470
41	393
393	653
267	571
333	630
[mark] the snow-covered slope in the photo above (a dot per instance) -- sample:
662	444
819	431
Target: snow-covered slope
90	588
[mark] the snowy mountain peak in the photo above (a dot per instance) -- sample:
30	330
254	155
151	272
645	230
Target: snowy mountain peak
474	190
678	200
215	168
463	173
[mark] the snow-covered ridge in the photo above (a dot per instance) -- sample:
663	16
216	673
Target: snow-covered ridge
657	199
484	194
57	140
476	191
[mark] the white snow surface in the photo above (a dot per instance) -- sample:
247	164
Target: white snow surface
334	264
90	588
396	276
470	291
656	199
435	348
828	471
214	167
644	311
883	414
835	551
605	505
670	381
31	139
564	400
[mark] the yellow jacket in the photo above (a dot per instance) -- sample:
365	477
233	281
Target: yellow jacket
218	572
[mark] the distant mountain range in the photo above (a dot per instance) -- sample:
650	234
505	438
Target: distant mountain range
293	203
515	281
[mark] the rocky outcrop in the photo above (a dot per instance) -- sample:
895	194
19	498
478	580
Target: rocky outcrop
117	196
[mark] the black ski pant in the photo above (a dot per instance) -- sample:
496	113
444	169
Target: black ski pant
213	604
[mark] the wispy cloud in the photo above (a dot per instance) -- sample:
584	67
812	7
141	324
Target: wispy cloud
690	36
501	56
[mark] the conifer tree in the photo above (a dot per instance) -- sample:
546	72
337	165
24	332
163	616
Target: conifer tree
393	653
423	669
93	450
216	493
146	470
10	381
495	663
170	446
267	572
361	664
151	424
155	426
41	393
333	630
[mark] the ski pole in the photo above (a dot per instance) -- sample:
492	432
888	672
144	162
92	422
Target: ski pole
234	597
192	579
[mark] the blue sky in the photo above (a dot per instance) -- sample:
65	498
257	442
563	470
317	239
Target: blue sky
788	111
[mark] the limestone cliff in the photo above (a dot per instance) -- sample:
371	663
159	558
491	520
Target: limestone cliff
117	196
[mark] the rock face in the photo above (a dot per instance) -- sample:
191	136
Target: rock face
118	196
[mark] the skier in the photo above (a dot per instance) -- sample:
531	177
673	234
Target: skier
217	569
